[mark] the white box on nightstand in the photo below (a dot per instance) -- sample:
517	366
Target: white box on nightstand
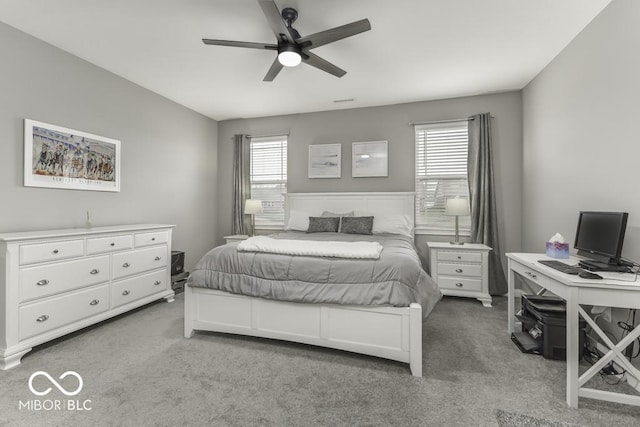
461	270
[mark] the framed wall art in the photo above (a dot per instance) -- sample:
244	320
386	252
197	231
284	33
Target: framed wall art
58	157
369	159
325	161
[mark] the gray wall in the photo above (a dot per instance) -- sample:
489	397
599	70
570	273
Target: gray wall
581	145
389	123
169	164
580	138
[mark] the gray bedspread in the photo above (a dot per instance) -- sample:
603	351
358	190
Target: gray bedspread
396	278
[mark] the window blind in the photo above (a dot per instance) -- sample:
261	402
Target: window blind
269	179
441	173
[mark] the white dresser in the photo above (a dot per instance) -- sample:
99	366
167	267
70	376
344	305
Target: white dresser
461	270
58	281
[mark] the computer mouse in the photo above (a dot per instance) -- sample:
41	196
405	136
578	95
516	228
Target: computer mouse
589	275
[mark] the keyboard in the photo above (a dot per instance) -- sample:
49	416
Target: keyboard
561	266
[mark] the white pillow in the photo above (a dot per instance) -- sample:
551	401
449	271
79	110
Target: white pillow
298	221
391	223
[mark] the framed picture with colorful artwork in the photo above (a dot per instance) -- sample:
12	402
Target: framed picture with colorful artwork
59	157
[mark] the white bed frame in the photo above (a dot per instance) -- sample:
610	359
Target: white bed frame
389	332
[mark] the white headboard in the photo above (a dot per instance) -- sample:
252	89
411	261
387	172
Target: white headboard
374	203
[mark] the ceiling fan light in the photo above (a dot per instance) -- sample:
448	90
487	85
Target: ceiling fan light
289	58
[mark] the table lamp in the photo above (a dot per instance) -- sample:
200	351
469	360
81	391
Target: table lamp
457	207
252	207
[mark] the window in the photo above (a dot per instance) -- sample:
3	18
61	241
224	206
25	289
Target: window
441	173
269	179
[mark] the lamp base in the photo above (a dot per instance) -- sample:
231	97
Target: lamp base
456	243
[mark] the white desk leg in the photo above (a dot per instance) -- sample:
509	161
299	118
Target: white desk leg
572	347
510	297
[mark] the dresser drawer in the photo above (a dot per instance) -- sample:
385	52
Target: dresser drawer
474	270
100	245
134	262
460	283
461	256
148	239
52	313
44	280
130	290
51	251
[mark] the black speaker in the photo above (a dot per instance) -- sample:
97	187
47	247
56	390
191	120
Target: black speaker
177	262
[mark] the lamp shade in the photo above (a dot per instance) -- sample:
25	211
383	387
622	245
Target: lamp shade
457	206
252	206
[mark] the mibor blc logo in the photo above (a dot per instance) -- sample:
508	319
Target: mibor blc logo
55	383
55	404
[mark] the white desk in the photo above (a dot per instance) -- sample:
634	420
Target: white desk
577	292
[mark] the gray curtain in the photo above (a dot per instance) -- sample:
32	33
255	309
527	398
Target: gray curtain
482	192
241	183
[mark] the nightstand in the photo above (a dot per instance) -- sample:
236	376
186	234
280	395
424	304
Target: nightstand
236	238
461	270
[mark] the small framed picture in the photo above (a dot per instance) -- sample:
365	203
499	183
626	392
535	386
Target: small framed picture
325	161
58	157
369	159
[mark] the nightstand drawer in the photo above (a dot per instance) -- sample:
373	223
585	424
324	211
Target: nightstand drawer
460	283
459	256
474	270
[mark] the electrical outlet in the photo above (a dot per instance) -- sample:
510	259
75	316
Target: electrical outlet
606	314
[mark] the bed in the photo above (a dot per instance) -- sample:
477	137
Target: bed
373	306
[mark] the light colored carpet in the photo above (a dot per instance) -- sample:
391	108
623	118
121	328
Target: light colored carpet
138	370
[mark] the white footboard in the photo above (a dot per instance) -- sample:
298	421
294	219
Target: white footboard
390	332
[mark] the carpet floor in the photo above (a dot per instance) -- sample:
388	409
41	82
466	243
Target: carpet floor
138	370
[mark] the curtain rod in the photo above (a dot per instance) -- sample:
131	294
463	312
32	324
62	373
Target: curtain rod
468	119
267	136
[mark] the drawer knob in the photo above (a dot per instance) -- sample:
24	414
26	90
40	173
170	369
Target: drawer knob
55	251
459	285
153	239
459	257
94	271
112	244
126	265
42	282
125	292
157	258
95	302
458	270
157	282
42	318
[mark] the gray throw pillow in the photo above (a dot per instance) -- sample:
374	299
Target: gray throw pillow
357	225
339	215
323	224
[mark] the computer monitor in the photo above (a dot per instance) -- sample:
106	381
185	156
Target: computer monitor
599	238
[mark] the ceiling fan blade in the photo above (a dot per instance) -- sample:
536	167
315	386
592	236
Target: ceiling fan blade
277	24
273	71
334	34
322	64
232	43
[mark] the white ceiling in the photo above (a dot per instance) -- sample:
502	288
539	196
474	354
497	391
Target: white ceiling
417	50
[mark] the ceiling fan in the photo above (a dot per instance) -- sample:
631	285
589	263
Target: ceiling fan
291	47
